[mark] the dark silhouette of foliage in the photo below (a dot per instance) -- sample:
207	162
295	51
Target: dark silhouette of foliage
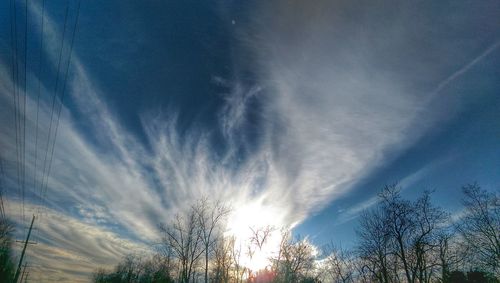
455	277
399	240
296	259
222	260
414	241
476	276
134	270
7	267
209	217
184	237
480	227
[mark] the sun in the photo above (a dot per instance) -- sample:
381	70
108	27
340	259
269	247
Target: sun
254	221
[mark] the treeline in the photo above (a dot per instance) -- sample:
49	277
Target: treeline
414	241
398	240
7	267
195	249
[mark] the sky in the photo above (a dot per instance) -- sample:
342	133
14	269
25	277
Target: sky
296	113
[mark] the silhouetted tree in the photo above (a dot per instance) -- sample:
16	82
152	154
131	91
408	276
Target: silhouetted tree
184	237
258	238
480	227
296	259
374	246
451	252
475	276
401	224
132	269
481	277
223	259
401	237
339	264
236	253
399	240
209	217
455	277
425	241
7	268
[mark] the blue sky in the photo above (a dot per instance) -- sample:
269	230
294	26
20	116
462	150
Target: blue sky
300	112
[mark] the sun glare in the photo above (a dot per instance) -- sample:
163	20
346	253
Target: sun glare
248	221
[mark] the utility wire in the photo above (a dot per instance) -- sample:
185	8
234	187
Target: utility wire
24	102
2	178
13	34
64	88
54	96
35	172
38	98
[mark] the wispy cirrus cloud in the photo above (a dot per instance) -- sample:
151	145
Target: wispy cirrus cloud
69	248
336	98
347	87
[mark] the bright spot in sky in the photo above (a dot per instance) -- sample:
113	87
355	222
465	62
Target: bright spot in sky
248	223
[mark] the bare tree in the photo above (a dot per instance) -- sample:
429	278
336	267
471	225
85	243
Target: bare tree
259	236
401	224
400	238
296	259
374	246
236	254
480	227
451	252
339	263
134	269
164	258
6	229
7	268
425	241
414	229
184	237
209	217
223	259
362	272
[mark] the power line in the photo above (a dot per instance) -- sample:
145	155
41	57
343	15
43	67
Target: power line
18	270
46	173
13	33
2	178
35	172
54	96
64	88
24	102
38	98
21	103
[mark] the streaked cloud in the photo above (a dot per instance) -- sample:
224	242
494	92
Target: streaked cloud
69	249
336	99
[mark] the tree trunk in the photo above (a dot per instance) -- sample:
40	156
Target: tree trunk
206	264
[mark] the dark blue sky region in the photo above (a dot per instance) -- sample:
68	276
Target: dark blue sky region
298	111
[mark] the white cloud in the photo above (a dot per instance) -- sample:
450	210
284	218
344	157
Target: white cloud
330	115
68	249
